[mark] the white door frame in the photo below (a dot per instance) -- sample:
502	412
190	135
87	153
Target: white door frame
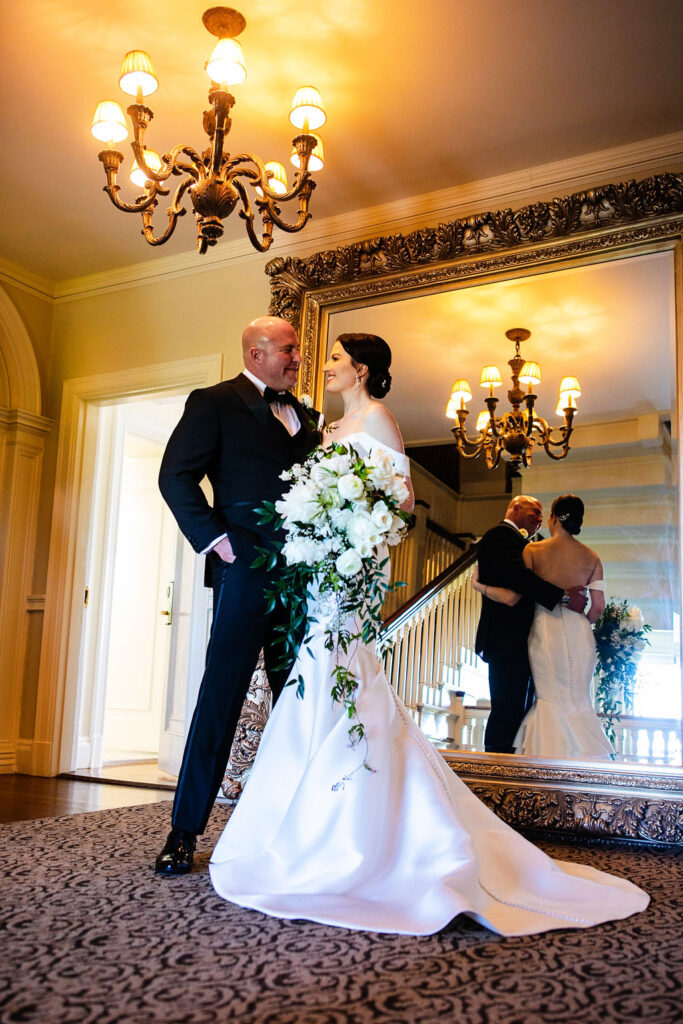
71	512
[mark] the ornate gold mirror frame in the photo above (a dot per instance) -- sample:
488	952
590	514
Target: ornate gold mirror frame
615	221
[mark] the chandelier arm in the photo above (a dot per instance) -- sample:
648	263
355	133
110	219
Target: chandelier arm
139	206
302	219
563	454
174	212
247	216
461	440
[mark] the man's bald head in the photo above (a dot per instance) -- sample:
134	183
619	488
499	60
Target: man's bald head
270	349
526	513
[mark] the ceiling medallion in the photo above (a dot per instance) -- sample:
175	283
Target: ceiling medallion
215	181
513	435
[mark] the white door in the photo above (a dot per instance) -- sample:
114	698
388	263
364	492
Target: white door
190	623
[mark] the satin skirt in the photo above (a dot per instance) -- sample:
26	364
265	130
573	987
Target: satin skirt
562	723
400	846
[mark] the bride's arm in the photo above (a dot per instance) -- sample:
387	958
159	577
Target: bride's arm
597	596
501	595
382	425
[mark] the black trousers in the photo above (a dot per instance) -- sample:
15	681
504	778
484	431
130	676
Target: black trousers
239	630
512	692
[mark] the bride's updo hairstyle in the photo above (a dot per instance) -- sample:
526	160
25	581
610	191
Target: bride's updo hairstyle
372	351
568	509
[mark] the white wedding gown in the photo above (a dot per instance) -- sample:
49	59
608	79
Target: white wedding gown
404	848
562	722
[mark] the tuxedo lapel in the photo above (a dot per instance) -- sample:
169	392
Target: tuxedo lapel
257	405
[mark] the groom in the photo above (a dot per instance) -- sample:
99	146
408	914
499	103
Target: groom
503	631
241	434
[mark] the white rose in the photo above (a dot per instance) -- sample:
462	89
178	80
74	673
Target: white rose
307	401
381	516
339	464
398	489
350	487
363	548
361	528
348	563
321	475
381	468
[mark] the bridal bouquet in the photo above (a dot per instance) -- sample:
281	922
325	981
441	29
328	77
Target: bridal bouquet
341	509
620	636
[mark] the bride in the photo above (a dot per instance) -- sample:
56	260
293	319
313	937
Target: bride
562	721
406	847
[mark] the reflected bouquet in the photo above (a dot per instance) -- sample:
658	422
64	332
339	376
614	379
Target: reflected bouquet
341	510
620	637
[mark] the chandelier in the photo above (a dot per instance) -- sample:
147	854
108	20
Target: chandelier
215	181
515	433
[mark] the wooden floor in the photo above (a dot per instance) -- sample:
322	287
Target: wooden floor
23	797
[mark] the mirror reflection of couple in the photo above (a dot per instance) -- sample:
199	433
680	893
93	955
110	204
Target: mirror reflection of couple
403	848
537	592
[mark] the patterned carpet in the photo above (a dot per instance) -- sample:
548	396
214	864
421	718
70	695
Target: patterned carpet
91	935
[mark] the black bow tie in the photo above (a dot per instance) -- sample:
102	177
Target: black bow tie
281	397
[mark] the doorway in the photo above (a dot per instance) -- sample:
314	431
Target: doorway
141	659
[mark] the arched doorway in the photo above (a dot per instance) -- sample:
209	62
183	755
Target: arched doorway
22	436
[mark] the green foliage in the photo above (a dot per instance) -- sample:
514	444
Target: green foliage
620	636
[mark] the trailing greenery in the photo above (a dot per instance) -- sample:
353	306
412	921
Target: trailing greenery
620	636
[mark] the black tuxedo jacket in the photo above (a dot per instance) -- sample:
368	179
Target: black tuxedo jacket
229	434
501	564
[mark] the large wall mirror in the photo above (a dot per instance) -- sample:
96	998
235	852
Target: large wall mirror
601	295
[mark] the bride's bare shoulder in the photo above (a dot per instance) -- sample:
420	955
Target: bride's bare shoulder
382	424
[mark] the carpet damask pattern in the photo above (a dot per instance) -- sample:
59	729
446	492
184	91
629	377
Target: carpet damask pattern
92	935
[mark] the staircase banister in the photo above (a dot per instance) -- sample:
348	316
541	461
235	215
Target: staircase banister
423	596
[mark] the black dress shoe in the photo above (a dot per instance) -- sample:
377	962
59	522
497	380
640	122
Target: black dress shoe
176	856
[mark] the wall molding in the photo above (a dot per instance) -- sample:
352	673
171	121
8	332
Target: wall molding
647	156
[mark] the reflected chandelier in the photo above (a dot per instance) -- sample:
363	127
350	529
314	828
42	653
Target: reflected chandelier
215	180
514	434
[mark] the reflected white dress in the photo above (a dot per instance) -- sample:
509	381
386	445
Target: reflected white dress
402	849
562	722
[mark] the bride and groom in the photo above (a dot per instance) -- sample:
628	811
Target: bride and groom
534	636
403	848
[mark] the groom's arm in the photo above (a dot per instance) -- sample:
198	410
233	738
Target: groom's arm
501	563
190	453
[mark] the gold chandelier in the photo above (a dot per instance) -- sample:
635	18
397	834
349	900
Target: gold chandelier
216	181
513	435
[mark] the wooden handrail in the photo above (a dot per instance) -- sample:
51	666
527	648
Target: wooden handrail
418	600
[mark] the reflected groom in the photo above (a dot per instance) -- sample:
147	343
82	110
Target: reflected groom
241	434
503	631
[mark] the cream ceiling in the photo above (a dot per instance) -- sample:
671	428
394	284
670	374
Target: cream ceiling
611	325
420	97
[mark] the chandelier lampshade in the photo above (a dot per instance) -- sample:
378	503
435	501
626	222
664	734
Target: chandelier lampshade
211	179
109	123
461	394
531	374
514	434
137	73
278	182
307	111
490	378
570	388
226	63
138	175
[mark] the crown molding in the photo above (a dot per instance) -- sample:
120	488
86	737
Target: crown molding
647	156
19	277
